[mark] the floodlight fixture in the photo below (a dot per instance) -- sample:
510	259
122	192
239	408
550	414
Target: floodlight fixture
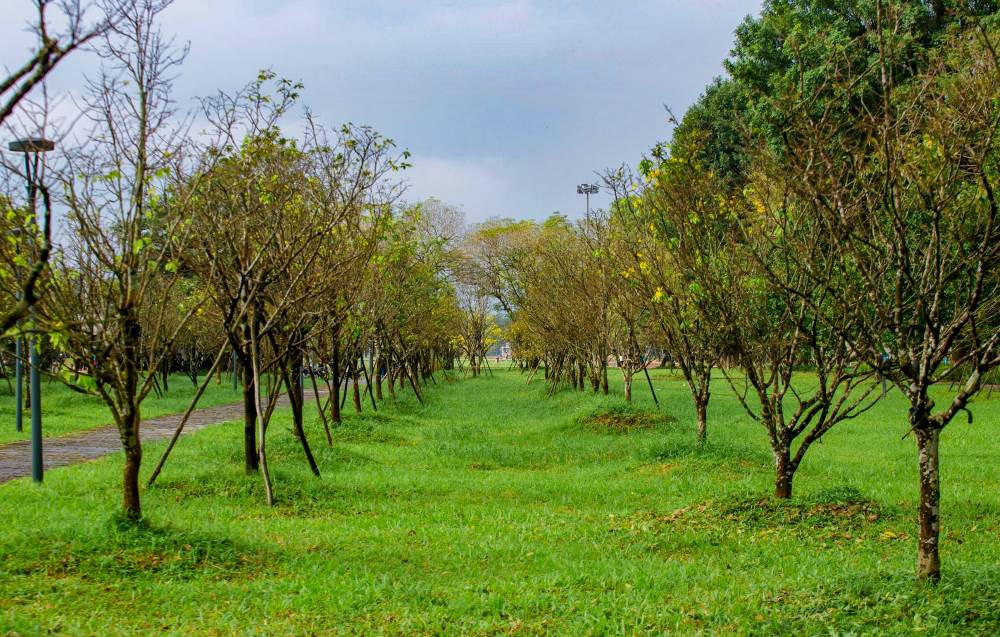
587	189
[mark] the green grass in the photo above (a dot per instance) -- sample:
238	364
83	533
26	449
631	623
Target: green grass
493	511
65	411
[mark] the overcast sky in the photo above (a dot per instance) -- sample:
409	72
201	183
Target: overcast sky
505	105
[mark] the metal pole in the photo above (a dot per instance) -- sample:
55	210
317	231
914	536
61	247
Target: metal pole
35	385
36	414
18	385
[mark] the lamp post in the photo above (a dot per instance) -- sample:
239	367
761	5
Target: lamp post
32	148
18	364
587	189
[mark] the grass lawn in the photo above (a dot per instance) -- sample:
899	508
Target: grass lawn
65	411
493	511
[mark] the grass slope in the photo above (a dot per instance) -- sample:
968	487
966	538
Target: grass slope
65	411
492	511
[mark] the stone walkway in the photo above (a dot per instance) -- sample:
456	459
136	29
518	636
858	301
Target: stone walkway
15	458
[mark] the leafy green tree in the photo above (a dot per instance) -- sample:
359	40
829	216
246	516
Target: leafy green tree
906	199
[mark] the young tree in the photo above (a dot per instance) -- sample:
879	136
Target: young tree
738	273
279	224
642	220
115	193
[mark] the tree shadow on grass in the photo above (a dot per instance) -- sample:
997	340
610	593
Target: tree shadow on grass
966	601
125	549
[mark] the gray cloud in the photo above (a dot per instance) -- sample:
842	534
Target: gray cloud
506	105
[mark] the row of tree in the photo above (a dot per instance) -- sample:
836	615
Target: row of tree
292	260
824	220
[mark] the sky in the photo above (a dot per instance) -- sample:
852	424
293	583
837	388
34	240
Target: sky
506	106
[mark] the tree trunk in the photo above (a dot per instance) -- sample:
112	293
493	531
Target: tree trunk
628	387
701	405
377	374
335	384
251	461
604	378
131	507
261	423
938	6
355	389
783	472
928	559
293	381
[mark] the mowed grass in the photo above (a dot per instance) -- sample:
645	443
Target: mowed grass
66	411
493	511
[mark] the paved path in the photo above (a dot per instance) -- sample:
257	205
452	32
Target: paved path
15	458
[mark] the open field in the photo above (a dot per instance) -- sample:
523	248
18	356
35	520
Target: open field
65	411
492	510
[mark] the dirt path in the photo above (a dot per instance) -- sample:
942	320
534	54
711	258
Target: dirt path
15	458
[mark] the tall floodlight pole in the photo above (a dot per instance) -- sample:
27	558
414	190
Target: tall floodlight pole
32	148
587	189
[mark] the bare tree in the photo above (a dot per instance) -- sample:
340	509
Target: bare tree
126	198
79	22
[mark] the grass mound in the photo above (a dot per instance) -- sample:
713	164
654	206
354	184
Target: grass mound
619	417
832	515
841	507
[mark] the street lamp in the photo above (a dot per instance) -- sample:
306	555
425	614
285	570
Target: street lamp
32	148
587	189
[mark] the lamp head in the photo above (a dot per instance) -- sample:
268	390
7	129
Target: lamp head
32	145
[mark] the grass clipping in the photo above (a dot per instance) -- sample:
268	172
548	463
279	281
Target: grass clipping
614	417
